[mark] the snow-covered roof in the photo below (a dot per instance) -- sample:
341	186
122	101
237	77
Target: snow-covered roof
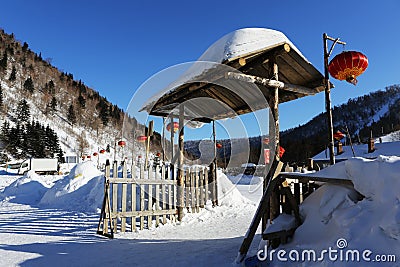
386	149
249	51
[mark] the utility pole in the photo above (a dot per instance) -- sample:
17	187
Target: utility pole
328	93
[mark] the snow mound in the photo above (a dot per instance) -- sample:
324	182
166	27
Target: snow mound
82	190
336	212
27	189
228	194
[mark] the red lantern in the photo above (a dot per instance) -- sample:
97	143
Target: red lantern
102	151
338	135
218	145
281	151
139	157
141	138
348	65
174	125
121	143
95	154
83	157
89	157
158	154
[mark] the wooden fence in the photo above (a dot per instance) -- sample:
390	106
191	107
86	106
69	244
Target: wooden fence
137	198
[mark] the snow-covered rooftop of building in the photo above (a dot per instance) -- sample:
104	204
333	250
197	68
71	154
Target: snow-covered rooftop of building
245	42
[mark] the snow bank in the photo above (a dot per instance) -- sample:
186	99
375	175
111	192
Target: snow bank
228	194
336	212
82	190
28	190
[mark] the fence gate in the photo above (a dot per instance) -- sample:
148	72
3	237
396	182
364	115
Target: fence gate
138	198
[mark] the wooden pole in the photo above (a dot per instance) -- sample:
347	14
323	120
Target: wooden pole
181	179
274	136
215	196
328	93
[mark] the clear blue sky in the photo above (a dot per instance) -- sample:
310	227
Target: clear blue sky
114	46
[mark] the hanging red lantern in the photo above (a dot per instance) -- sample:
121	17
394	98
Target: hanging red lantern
348	65
338	135
218	145
139	157
95	154
121	143
141	138
102	151
174	126
88	157
158	154
281	151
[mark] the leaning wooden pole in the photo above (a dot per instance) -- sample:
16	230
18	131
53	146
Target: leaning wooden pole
181	175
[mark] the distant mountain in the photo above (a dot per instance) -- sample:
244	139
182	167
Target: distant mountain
377	113
84	121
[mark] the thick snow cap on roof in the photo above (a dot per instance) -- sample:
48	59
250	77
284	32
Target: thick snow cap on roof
244	42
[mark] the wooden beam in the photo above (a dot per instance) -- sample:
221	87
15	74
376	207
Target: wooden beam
270	83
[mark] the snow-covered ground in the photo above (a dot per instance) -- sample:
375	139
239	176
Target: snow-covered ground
48	220
52	220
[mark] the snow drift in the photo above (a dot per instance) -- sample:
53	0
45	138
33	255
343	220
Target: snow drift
82	190
336	212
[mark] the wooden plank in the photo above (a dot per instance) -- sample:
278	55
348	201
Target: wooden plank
307	178
201	187
115	194
197	189
143	213
150	198
107	207
141	186
133	197
193	191
163	194
187	189
206	193
140	181
124	196
157	196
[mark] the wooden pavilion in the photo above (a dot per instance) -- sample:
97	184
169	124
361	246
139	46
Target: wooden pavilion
263	58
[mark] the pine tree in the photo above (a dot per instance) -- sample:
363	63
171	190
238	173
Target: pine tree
71	115
28	85
81	101
3	61
1	97
23	111
53	104
13	74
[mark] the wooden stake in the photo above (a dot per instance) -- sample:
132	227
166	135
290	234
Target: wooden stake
180	181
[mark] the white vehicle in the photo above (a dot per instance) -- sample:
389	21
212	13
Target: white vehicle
45	166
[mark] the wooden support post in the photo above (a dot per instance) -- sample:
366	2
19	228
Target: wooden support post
150	198
142	187
123	197
215	177
115	195
180	181
274	139
157	195
187	189
201	187
163	193
133	196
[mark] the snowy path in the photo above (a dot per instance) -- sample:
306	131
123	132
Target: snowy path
31	236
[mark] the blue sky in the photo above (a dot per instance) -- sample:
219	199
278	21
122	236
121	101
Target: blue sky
115	46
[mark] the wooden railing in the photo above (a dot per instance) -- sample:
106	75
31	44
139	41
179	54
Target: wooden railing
139	198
